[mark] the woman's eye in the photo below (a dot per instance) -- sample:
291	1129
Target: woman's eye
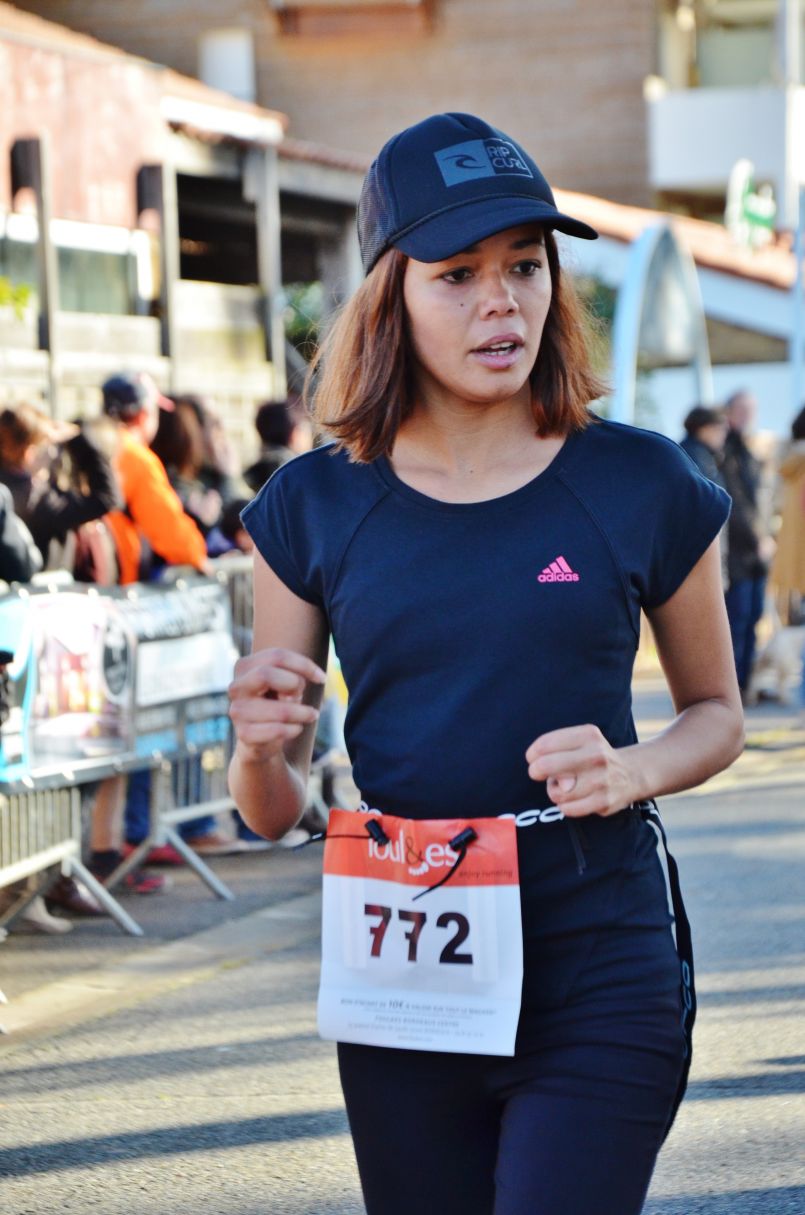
459	275
527	268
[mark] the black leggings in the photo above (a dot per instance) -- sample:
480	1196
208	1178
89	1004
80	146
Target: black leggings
572	1128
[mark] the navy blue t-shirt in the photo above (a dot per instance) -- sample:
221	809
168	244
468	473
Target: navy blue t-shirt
467	630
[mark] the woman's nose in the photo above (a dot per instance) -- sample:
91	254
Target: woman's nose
498	295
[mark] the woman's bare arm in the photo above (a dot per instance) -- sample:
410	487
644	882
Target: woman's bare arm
274	701
587	776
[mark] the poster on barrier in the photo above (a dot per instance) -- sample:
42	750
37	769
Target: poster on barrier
185	660
70	682
104	678
83	659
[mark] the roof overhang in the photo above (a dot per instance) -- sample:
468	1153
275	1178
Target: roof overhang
222	121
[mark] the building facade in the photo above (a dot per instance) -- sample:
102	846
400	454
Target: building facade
639	101
565	79
177	241
141	227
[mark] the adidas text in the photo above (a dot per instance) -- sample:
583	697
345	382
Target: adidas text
550	576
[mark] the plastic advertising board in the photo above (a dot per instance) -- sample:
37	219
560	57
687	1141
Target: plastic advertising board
100	681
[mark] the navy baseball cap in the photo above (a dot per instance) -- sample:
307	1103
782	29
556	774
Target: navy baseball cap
440	186
125	395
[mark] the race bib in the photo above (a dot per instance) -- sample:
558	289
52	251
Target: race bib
408	966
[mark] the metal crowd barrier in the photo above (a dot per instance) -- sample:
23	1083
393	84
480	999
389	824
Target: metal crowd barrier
39	830
40	810
183	789
40	814
235	573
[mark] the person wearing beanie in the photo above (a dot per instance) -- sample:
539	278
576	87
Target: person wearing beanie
705	433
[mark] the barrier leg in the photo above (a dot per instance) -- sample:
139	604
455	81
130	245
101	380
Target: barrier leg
197	865
75	868
162	829
27	895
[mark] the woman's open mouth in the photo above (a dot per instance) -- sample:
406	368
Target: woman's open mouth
501	352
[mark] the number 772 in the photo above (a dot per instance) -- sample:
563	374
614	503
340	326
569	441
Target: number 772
417	921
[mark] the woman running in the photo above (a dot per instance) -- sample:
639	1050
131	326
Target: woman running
480	545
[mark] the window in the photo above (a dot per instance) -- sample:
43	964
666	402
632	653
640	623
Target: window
98	267
721	43
217	231
331	18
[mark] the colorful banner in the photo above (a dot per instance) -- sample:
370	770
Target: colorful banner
101	679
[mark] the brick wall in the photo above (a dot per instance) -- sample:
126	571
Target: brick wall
563	76
103	120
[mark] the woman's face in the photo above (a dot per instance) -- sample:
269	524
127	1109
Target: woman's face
476	319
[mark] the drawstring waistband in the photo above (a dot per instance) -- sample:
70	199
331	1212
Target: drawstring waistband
581	860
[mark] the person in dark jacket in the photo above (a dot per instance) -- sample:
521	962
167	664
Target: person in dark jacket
750	546
29	442
705	432
275	426
20	559
30	446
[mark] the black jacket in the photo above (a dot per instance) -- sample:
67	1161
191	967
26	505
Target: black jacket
19	556
704	458
50	511
741	472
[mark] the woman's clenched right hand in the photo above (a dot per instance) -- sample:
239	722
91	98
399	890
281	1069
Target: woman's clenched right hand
266	697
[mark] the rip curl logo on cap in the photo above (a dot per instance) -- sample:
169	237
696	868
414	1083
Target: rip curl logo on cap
480	158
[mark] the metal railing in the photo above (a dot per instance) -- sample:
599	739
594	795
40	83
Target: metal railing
39	830
40	823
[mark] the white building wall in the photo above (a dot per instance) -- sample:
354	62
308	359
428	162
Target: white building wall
696	136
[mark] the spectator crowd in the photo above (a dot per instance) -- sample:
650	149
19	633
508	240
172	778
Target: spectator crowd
149	483
763	542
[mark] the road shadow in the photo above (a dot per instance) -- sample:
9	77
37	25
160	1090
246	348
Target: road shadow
99	1150
134	1068
764	1084
787	1200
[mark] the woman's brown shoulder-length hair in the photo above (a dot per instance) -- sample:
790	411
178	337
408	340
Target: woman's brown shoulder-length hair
361	382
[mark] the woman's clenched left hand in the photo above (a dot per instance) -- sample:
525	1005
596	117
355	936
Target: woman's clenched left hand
584	774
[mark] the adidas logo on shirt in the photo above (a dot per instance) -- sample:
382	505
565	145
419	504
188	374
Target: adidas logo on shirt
558	571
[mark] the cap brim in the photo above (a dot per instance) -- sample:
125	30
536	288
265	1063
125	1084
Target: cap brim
454	230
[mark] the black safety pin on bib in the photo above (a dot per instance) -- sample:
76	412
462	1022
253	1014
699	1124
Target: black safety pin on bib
459	843
373	829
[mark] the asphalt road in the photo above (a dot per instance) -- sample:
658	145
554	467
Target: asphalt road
183	1074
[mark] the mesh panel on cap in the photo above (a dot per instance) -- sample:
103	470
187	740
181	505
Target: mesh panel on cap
375	221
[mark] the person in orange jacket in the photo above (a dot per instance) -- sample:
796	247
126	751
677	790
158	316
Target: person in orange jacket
153	518
152	521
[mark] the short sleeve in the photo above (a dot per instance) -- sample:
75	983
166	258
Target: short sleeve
278	527
689	512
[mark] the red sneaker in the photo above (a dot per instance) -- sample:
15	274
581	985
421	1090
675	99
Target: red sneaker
140	882
162	854
137	881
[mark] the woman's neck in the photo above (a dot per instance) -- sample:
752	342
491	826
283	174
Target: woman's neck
466	455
